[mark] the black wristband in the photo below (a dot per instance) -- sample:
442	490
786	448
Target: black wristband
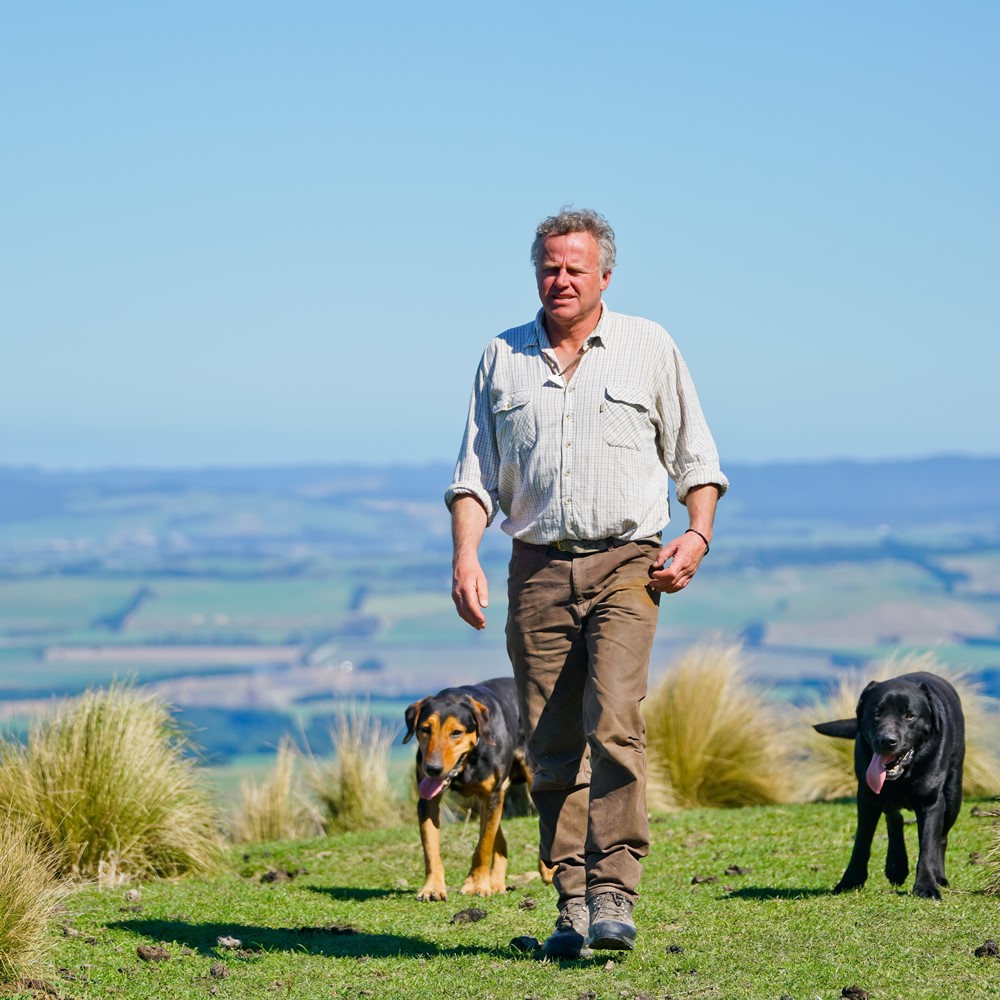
695	531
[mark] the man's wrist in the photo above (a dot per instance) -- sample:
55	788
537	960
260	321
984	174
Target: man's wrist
695	531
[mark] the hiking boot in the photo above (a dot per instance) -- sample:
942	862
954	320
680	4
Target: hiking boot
611	924
570	937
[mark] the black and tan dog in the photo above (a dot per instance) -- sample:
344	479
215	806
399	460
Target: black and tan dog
469	739
909	748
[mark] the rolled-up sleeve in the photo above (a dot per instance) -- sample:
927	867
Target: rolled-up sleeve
478	468
687	449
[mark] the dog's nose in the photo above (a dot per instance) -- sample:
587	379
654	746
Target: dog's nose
887	742
433	770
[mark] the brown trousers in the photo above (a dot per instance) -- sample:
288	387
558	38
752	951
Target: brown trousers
579	634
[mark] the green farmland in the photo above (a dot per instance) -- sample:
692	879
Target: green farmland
256	601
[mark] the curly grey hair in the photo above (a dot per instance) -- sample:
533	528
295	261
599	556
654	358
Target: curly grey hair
572	220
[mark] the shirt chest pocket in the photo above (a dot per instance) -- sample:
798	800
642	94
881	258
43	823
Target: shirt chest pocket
625	421
514	417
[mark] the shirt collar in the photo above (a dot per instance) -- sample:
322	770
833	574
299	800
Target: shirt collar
597	337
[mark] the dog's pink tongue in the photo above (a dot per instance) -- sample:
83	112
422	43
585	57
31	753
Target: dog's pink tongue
430	787
875	775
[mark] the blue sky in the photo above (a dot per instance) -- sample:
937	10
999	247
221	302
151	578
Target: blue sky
244	233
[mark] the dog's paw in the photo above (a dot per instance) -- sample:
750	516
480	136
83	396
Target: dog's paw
847	884
926	890
432	892
897	873
477	885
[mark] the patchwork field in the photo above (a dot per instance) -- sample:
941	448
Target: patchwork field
262	597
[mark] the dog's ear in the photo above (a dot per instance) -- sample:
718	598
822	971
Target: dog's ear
861	699
482	715
846	729
411	719
933	705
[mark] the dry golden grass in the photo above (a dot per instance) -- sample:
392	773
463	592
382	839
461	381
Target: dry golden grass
992	860
713	739
275	809
106	786
826	768
29	892
353	786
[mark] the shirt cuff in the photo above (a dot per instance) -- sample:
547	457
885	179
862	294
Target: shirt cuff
465	490
701	476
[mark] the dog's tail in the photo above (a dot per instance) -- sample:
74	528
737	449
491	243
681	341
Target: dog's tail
846	729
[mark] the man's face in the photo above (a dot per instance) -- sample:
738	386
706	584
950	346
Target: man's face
570	280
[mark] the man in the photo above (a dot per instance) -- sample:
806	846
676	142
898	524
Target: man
576	421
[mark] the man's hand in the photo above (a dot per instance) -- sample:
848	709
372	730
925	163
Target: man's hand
470	592
468	581
684	555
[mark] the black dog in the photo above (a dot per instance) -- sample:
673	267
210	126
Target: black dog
909	747
469	739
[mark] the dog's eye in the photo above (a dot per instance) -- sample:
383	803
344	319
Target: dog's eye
457	733
909	716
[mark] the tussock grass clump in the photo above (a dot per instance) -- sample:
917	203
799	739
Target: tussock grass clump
275	809
106	787
992	860
713	739
354	786
29	892
827	764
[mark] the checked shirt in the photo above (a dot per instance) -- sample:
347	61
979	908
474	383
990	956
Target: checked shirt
587	458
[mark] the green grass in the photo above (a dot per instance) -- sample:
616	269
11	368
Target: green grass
773	931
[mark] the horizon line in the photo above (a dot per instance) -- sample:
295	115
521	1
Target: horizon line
366	465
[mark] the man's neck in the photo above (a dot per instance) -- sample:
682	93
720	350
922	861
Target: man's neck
569	339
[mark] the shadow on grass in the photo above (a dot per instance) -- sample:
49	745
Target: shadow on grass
331	941
351	894
759	893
